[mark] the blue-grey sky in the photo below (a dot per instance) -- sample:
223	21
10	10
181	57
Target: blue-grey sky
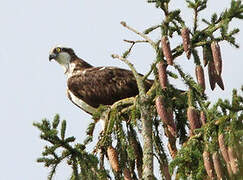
33	88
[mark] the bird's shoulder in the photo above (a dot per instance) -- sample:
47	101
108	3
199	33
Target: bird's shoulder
101	74
101	78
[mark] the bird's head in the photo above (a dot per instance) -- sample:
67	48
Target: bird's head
63	56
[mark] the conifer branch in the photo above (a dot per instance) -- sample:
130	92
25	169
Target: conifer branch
193	158
149	30
153	44
51	157
126	53
153	66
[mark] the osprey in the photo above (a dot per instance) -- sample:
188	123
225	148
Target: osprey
89	86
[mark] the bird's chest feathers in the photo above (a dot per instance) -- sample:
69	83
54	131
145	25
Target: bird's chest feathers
72	70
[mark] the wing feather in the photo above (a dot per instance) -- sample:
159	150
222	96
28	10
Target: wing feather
105	86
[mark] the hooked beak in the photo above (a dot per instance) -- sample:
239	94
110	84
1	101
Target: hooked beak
52	56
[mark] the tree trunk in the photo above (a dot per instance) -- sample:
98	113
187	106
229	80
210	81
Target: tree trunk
147	138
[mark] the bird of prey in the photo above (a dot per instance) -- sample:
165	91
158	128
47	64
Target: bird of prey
93	86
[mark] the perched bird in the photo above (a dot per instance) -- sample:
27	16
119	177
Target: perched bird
89	86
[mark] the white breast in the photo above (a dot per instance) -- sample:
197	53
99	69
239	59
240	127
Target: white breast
70	70
83	105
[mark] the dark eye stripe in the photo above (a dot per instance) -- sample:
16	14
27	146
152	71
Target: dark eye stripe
65	49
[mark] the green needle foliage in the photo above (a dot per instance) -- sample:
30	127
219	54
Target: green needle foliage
143	129
84	164
223	118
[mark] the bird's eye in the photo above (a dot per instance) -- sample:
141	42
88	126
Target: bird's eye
58	49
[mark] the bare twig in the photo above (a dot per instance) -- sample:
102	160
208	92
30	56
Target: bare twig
139	33
134	42
195	20
150	71
126	53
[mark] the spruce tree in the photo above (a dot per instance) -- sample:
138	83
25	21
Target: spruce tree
204	140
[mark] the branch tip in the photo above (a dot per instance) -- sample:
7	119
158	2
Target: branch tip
114	56
123	23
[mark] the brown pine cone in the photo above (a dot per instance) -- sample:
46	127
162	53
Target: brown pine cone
185	34
233	160
217	57
203	118
223	148
224	153
171	125
192	116
219	81
136	147
200	76
162	75
212	74
217	166
113	158
166	50
207	54
208	164
162	112
138	154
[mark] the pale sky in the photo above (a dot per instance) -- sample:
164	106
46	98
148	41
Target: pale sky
32	88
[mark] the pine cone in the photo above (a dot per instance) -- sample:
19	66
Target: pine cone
219	81
137	148
217	166
200	76
171	125
203	118
208	164
138	154
166	50
127	174
217	57
233	160
162	75
160	106
185	34
212	74
192	116
207	54
224	153
223	148
113	158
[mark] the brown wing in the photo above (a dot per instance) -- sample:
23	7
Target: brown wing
105	86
